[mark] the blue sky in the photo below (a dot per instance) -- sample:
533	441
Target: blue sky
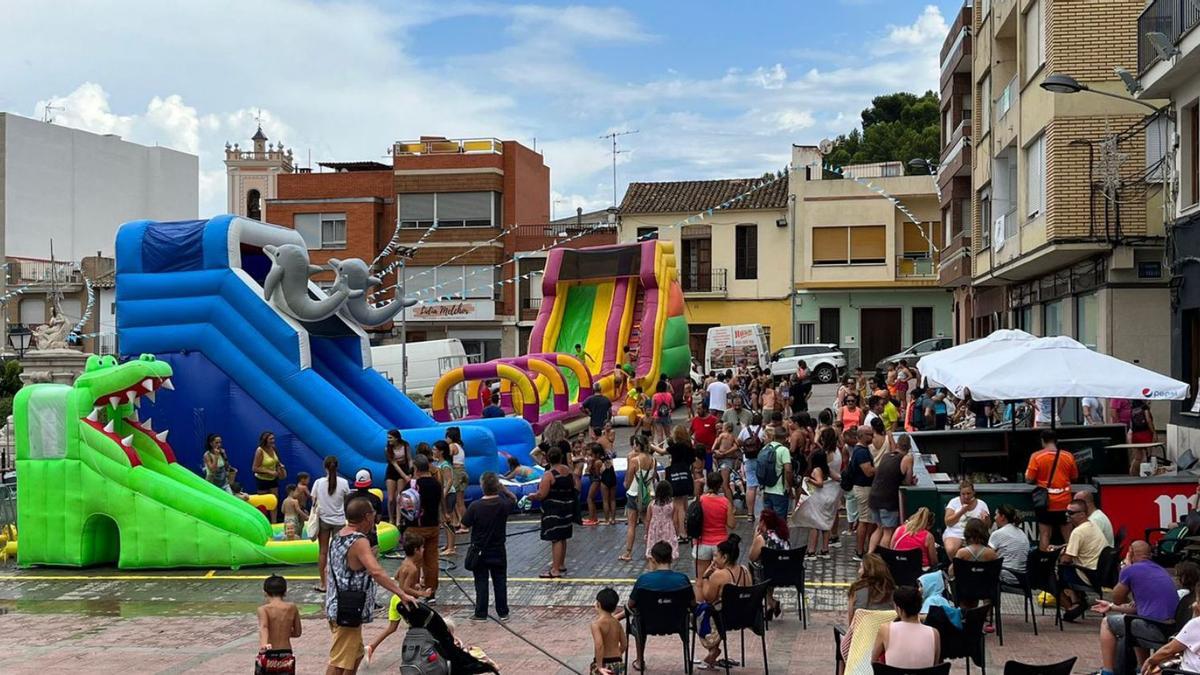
716	89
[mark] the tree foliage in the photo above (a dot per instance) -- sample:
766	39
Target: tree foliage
897	127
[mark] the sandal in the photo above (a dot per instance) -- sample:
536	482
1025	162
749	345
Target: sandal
548	575
319	589
638	665
626	557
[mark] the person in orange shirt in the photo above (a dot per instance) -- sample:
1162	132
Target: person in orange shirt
1052	469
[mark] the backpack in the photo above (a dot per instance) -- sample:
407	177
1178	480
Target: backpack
410	505
644	488
765	470
693	521
419	654
753	443
1138	420
663	412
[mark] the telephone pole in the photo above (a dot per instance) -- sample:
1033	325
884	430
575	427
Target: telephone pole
613	137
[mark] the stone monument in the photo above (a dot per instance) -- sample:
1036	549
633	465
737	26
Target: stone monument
52	359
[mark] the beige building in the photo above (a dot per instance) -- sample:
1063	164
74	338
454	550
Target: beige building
866	275
252	176
1067	238
734	265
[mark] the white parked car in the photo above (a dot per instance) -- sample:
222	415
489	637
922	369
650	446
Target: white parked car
826	363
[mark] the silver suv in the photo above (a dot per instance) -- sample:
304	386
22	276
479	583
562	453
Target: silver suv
915	352
826	363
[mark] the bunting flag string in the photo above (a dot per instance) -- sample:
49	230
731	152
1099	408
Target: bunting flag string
694	218
87	311
900	206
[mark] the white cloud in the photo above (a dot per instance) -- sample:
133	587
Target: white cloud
339	79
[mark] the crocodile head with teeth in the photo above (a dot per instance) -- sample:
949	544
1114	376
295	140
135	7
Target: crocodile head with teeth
115	391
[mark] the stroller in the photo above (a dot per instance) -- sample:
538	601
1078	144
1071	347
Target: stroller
429	648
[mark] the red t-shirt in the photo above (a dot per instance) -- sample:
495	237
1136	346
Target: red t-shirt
716	510
1040	464
704	431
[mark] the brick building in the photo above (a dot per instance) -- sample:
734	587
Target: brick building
954	169
1068	226
476	190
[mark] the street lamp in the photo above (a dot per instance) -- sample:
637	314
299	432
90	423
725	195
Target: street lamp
1061	83
19	337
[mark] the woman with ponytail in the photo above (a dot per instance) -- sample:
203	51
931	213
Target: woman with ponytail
329	494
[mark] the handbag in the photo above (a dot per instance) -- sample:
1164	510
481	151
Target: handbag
472	559
350	604
1041	495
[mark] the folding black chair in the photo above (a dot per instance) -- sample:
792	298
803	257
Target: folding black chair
882	669
1041	569
979	581
785	569
1022	588
1183	613
905	566
661	613
970	646
1108	568
742	608
1018	668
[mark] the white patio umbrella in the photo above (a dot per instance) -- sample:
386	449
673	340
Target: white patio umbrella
1050	367
939	367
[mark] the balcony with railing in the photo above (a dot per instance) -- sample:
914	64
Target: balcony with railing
924	268
547	236
954	266
530	307
709	284
956	156
43	273
956	49
1172	18
436	145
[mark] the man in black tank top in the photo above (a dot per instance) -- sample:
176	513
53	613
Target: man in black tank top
895	468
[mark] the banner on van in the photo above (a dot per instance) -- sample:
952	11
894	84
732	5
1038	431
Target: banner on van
729	345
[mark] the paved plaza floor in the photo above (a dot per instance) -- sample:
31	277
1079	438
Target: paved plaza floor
203	621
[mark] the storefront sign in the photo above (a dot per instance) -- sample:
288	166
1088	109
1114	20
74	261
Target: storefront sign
1135	504
453	310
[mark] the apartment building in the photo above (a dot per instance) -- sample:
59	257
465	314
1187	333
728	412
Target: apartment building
734	265
63	194
1068	234
866	276
954	170
1168	67
475	189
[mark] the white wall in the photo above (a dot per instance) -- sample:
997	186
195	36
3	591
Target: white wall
78	188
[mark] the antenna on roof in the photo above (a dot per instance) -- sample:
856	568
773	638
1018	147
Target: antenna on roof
48	112
613	137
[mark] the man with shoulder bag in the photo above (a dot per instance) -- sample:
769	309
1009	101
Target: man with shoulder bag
1051	470
353	574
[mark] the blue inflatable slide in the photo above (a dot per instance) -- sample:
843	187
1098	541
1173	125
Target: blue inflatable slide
191	293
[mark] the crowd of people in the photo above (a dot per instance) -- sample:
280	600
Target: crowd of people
749	445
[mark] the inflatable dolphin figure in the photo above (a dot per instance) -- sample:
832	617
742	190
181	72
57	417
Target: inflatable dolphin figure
358	278
286	286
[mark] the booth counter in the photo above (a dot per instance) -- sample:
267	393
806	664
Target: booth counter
1134	504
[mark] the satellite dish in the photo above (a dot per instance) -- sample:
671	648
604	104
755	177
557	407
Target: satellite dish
1132	85
1162	44
825	146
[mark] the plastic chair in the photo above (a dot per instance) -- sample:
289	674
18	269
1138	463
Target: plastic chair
1022	588
1018	668
883	669
785	569
667	613
905	566
979	581
743	608
1041	570
1108	568
970	645
1183	613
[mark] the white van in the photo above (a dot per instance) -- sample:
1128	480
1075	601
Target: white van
427	362
727	346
